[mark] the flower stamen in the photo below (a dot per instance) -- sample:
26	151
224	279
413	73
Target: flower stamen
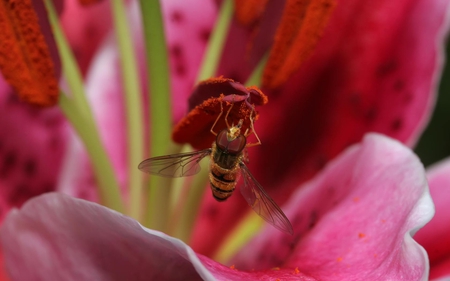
25	59
249	11
301	26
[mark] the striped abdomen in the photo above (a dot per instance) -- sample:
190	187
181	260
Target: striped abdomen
224	167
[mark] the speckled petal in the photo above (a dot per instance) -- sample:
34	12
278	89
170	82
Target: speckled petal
32	145
355	220
434	237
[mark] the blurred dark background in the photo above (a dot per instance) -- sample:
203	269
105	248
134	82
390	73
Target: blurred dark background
434	145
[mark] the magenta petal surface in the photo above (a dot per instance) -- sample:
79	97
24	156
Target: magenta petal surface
434	237
86	27
57	237
375	69
188	25
32	145
355	220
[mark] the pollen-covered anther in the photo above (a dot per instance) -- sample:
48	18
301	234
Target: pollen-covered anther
249	11
302	25
25	59
209	99
88	2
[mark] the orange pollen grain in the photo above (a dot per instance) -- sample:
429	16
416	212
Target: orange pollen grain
339	259
249	11
301	27
361	235
24	55
296	271
356	199
232	267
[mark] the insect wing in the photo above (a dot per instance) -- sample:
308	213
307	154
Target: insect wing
175	165
261	202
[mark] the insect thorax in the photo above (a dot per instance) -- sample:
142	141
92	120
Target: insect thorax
225	160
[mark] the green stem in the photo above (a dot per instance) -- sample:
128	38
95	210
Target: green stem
69	63
79	113
216	42
133	107
256	76
86	130
247	228
160	107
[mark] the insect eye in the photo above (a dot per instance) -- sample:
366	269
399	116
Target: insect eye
232	147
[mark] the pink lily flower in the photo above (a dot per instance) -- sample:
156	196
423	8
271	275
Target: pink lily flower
434	236
55	237
400	111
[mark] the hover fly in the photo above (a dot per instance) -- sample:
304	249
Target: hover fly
228	155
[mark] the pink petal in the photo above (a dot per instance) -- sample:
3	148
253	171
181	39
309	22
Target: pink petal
434	237
56	237
86	28
355	220
32	144
375	70
188	25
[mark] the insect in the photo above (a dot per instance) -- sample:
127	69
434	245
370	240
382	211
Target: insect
228	155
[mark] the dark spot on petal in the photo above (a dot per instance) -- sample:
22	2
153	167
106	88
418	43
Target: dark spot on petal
409	98
83	194
91	32
276	260
235	76
29	167
19	194
180	69
262	257
397	124
355	99
9	161
177	51
204	35
312	220
46	187
22	192
387	68
54	142
52	121
177	17
12	98
371	114
212	212
331	190
399	85
295	241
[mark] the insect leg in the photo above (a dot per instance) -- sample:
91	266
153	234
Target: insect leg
218	117
226	116
252	130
